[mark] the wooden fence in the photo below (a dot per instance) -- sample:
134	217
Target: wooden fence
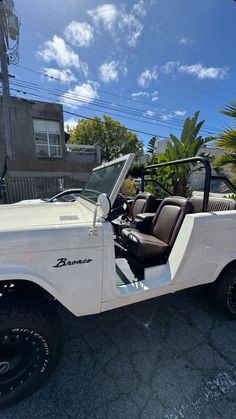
19	188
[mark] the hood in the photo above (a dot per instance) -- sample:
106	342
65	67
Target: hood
18	217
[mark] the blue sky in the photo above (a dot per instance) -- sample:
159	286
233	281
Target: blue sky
148	64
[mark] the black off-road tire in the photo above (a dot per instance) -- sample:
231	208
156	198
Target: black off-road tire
31	340
224	293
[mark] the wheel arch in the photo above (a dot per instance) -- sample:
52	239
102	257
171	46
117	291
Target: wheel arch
26	287
230	265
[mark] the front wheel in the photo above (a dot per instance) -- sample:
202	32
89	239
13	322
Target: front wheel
30	347
225	292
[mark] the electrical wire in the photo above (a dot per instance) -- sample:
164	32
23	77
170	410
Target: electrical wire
150	105
99	104
108	105
93	119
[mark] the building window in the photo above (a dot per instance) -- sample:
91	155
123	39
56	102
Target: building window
47	138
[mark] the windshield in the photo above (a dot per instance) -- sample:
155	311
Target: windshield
102	180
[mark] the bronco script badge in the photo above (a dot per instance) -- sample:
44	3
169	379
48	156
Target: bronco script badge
65	262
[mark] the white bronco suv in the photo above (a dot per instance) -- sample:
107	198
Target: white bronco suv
75	254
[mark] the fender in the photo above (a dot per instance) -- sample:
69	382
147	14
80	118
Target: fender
227	261
18	273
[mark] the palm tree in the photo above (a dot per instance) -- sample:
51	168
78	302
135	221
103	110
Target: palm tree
187	146
228	141
151	149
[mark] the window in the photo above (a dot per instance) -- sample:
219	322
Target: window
47	138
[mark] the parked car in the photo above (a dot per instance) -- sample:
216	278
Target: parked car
68	255
68	195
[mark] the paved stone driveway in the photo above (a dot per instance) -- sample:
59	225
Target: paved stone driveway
171	357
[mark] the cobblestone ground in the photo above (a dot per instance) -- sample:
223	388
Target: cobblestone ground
171	357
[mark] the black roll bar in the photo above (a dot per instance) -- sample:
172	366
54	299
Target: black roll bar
226	181
196	159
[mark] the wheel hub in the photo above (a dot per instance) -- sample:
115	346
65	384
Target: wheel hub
24	353
4	367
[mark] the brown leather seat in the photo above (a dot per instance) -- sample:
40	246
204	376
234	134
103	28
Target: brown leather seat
163	231
143	202
214	204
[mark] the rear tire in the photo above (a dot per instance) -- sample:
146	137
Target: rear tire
31	340
225	293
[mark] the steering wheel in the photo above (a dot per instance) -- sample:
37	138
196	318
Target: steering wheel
120	207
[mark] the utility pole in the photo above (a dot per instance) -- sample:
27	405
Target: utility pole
9	26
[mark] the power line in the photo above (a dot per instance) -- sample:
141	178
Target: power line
99	104
129	110
115	95
93	119
129	129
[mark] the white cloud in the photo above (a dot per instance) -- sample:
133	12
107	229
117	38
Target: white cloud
65	76
138	94
169	67
139	9
149	113
180	113
130	27
109	71
117	22
147	76
201	72
197	70
185	41
81	94
79	34
71	123
57	50
168	116
155	96
105	14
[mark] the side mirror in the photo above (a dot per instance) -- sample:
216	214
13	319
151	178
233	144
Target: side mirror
104	205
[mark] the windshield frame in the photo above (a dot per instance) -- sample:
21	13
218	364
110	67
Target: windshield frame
128	158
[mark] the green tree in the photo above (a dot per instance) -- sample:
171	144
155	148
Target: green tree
151	149
136	169
187	145
113	137
228	141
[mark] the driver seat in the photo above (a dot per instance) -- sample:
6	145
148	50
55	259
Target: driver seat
143	202
160	238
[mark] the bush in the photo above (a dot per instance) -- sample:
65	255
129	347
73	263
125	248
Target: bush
128	188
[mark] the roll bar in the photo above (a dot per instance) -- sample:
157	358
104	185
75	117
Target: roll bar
226	181
196	159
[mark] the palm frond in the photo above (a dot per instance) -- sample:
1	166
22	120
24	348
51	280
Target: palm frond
227	140
226	159
230	110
